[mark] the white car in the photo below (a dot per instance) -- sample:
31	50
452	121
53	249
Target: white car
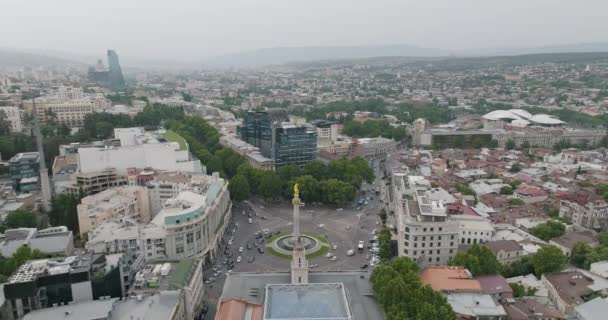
339	209
329	255
250	221
230	242
238	259
334	258
240	249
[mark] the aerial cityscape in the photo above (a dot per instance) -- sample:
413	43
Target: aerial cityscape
310	180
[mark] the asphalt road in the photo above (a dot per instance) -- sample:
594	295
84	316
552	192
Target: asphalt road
341	228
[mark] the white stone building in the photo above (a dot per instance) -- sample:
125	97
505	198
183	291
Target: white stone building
14	116
139	149
424	231
190	225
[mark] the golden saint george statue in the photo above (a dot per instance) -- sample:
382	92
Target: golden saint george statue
296	191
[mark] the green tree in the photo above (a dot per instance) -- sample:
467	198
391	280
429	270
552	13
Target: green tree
579	253
337	192
383	216
516	167
510	145
270	185
239	188
317	169
602	237
518	290
309	188
520	267
479	260
506	190
20	219
384	239
548	259
64	212
549	230
289	172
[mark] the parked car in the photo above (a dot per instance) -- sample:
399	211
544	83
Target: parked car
240	249
251	259
260	250
238	259
250	221
334	258
364	266
361	245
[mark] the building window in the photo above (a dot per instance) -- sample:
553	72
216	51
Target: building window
424	230
431	236
452	237
440	229
430	259
432	229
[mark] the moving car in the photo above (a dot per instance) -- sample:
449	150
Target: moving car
250	221
361	245
350	252
260	250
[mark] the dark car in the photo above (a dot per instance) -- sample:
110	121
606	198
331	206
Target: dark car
260	250
364	266
249	246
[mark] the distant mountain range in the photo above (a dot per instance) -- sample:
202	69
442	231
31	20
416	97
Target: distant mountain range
282	55
14	57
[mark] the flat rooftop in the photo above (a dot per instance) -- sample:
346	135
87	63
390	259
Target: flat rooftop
322	301
251	287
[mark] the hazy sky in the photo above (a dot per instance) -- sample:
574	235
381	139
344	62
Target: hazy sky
192	29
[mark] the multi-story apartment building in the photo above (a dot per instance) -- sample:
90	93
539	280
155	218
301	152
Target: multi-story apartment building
585	209
126	201
70	112
372	148
165	186
24	171
115	236
425	233
189	225
14	116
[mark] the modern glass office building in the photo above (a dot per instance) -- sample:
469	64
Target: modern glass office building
278	139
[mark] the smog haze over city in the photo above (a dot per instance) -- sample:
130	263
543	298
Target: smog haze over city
282	160
199	30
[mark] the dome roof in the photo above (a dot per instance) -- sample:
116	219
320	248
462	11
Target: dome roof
501	115
545	119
